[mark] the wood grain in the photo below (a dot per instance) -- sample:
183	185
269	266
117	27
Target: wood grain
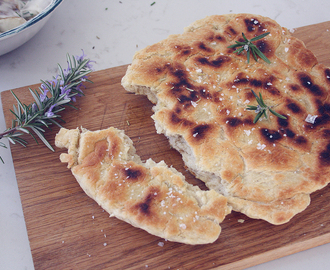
68	230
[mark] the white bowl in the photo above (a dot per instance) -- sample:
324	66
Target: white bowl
17	36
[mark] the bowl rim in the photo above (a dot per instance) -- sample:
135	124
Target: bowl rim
40	16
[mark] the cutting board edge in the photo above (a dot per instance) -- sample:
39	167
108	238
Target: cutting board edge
278	253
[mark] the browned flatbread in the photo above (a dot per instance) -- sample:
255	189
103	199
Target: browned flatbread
201	90
150	196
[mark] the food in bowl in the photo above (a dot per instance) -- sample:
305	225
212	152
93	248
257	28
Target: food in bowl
16	12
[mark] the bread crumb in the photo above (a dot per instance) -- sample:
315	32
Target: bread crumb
241	220
161	244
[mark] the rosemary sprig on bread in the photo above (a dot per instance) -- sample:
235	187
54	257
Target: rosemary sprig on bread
261	108
248	46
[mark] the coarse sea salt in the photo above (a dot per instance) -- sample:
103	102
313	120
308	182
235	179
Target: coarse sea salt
261	146
311	119
183	226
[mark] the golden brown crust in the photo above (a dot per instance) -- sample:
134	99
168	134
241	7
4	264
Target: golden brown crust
147	195
201	91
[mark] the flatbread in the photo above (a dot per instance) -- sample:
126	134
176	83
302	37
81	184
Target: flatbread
150	196
201	90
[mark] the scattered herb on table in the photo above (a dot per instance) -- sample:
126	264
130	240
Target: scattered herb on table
262	108
248	46
152	3
50	99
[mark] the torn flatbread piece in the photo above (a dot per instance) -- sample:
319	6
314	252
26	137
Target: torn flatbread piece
201	90
150	196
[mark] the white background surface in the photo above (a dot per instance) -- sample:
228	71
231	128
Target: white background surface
110	32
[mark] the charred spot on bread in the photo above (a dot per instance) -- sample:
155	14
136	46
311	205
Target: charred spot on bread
200	132
327	74
300	140
255	83
132	174
204	48
270	135
264	47
145	206
217	63
282	122
326	133
293	107
289	133
175	120
294	87
325	156
219	38
253	24
233	121
307	82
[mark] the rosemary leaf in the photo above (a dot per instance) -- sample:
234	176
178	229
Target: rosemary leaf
254	54
54	122
36	98
257	117
11	139
31	119
251	108
277	114
23	129
259	37
20	105
20	141
17	115
248	55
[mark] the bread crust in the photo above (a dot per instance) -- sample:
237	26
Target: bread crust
150	196
201	90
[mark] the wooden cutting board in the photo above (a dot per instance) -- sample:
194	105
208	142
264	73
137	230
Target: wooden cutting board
68	230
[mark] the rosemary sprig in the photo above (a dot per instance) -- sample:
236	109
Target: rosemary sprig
262	108
249	47
50	99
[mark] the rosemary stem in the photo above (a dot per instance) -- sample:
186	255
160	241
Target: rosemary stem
11	130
